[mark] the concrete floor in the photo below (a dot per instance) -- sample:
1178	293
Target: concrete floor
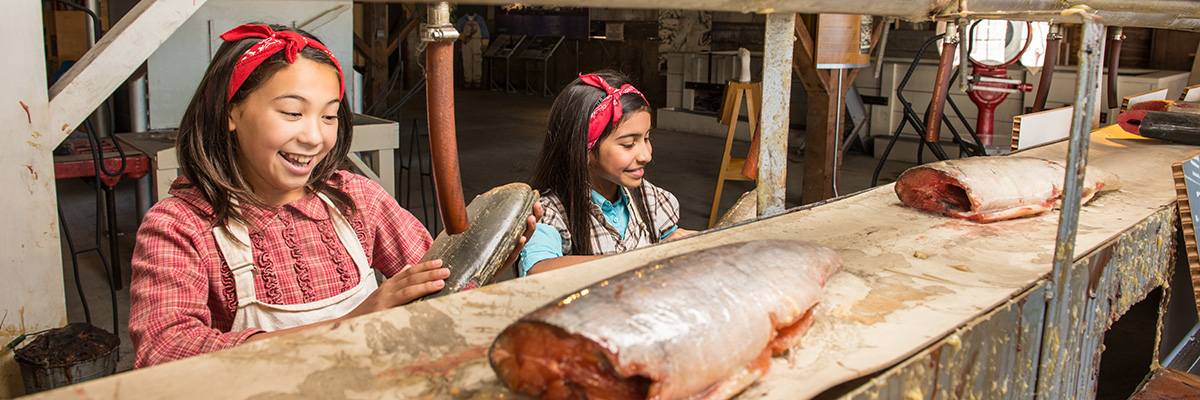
499	135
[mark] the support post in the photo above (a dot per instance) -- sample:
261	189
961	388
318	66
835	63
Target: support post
1058	379
777	92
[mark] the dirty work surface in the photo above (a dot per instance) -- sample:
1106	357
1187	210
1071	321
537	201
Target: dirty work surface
910	278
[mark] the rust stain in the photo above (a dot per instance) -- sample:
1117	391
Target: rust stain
447	363
65	126
31	143
27	116
31	171
36	134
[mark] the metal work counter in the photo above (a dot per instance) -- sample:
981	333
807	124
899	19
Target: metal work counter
944	307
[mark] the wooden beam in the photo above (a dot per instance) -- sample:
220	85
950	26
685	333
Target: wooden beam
106	66
374	50
363	49
826	96
803	62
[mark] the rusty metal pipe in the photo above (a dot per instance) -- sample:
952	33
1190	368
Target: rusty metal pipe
1043	89
439	93
1114	60
937	104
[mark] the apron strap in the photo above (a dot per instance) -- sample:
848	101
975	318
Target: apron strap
233	240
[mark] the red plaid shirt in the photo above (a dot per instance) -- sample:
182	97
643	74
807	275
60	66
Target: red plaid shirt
183	297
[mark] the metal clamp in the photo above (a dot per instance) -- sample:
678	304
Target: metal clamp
439	29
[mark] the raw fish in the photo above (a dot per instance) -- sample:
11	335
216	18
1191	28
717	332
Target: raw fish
986	189
701	325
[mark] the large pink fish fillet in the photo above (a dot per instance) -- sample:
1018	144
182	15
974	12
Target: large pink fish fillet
701	325
986	189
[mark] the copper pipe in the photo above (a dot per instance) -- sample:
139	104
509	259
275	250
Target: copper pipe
439	93
937	105
1043	89
1114	59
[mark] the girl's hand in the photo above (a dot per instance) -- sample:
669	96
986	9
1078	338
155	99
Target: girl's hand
410	283
530	226
679	234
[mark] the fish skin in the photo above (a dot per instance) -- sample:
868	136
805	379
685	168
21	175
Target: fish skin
1172	126
987	189
474	257
696	325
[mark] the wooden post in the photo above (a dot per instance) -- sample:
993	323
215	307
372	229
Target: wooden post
1194	79
374	49
824	93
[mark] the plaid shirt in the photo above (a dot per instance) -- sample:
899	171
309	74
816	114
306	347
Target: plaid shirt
663	210
183	297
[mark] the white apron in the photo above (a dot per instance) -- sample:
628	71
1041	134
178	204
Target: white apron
252	313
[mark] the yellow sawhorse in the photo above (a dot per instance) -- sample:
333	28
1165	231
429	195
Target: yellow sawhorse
734	168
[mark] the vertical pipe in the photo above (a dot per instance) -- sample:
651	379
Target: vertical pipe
777	94
937	104
100	117
138	115
1114	61
1052	371
439	92
1043	89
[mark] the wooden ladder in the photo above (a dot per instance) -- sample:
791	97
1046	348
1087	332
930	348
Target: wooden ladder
734	168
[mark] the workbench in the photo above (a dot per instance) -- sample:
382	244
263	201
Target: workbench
927	306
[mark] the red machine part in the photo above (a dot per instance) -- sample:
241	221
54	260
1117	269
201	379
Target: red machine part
987	100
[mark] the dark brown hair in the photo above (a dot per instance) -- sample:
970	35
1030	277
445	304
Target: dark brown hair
561	168
208	150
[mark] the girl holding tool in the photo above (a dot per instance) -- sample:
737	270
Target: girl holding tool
264	236
591	174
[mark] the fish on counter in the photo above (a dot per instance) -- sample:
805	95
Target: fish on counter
986	189
744	209
1177	125
698	325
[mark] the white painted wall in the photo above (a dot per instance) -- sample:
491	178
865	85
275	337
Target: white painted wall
175	69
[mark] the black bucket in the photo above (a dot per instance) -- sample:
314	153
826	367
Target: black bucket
72	354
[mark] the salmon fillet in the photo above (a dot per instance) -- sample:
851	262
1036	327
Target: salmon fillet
986	189
701	325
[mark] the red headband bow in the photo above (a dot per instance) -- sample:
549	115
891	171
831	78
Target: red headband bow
272	43
609	108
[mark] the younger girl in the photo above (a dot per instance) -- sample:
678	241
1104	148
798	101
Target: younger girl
590	172
263	235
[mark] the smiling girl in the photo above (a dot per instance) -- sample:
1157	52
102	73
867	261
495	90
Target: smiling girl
591	173
263	235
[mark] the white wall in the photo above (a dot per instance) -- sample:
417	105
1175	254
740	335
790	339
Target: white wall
31	282
175	69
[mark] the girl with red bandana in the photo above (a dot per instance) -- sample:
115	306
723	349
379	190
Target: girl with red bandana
591	173
263	235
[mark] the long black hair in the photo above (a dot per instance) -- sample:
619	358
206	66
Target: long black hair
562	165
208	151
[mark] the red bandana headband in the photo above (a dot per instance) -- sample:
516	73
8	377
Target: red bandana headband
272	43
609	109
